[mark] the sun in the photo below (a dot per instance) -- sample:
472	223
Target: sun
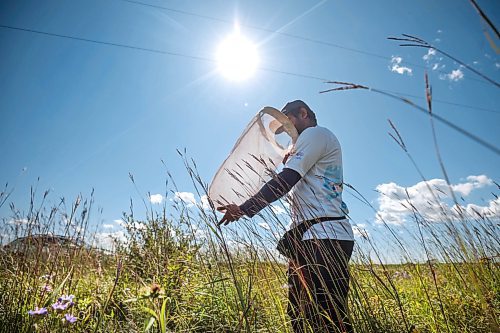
237	57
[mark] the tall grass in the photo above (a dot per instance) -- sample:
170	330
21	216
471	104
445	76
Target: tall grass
177	272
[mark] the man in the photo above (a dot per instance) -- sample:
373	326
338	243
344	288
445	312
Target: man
321	239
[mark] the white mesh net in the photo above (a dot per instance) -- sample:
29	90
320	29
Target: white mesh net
256	154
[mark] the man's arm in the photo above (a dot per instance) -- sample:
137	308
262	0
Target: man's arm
270	192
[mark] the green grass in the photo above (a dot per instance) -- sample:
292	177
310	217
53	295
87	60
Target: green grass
168	279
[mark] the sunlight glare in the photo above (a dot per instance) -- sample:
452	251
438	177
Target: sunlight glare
237	57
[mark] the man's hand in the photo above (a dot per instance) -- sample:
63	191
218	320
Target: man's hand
233	213
287	155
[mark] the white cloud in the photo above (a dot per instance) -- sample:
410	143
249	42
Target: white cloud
156	198
123	224
120	222
204	202
185	197
395	66
476	211
397	204
497	65
108	240
189	200
430	53
455	75
19	221
438	66
473	182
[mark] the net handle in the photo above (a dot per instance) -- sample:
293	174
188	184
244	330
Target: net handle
283	119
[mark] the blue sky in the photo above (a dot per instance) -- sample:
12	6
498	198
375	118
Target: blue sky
83	115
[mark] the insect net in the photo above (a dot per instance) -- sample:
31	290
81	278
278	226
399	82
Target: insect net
254	158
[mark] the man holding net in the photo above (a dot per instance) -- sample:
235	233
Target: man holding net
320	241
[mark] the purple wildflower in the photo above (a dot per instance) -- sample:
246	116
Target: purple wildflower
58	306
61	306
37	312
66	298
69	318
63	303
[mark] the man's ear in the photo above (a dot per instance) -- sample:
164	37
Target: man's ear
303	113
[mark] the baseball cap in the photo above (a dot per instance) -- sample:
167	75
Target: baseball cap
294	105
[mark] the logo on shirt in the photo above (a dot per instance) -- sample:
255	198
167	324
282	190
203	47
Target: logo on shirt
298	155
332	182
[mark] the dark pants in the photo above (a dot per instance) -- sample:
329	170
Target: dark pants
319	282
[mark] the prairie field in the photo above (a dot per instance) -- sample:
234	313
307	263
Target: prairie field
175	271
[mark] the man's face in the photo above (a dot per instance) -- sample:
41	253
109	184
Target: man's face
299	119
